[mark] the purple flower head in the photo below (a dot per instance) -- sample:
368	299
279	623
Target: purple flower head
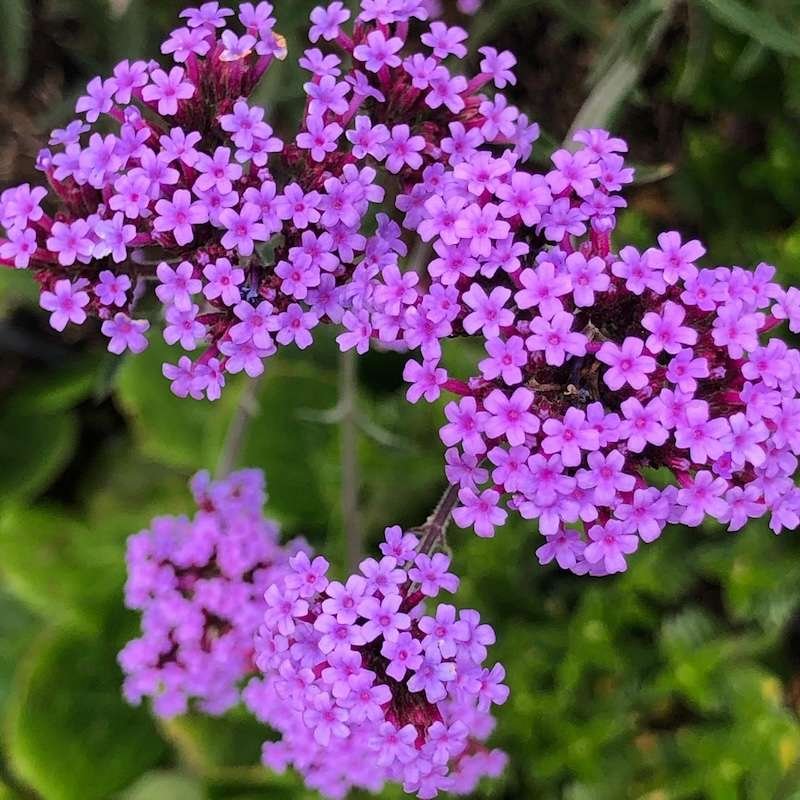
199	584
362	672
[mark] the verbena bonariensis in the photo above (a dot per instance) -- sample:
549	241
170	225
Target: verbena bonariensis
366	685
200	585
600	365
252	242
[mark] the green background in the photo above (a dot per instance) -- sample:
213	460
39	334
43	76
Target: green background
677	680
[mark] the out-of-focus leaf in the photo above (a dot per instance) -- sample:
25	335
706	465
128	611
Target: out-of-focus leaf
14	39
57	388
165	785
628	26
71	736
651	173
749	60
129	27
286	434
16	286
179	432
34	447
756	23
697	46
206	744
57	565
619	79
18	628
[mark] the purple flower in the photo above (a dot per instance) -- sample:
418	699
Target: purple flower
223	281
403	654
555	338
20	247
425	379
605	477
326	21
432	575
702	495
319	138
608	546
379	52
125	333
574	171
674	259
177	285
564	546
505	359
480	226
254	325
167	89
568	437
183	327
666	329
294	325
178	215
359	332
217	171
244	228
542	289
480	511
66	303
383	617
199	584
703	437
98	98
399	545
403	149
465	425
510	416
627	364
587	277
71	241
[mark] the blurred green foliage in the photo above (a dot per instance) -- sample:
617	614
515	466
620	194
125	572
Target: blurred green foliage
677	681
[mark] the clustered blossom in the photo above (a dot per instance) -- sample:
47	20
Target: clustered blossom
171	176
367	685
200	586
600	365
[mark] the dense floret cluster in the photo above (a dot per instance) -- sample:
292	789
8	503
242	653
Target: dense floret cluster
252	241
600	366
200	585
367	685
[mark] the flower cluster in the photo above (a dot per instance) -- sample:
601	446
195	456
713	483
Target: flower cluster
252	241
599	366
367	686
200	585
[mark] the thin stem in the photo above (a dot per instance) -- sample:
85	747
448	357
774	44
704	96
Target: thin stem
348	427
435	527
237	429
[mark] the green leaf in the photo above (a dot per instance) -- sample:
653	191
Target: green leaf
756	23
697	49
628	25
35	448
16	286
179	432
206	744
14	39
165	785
619	78
17	630
71	736
58	388
58	566
286	436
